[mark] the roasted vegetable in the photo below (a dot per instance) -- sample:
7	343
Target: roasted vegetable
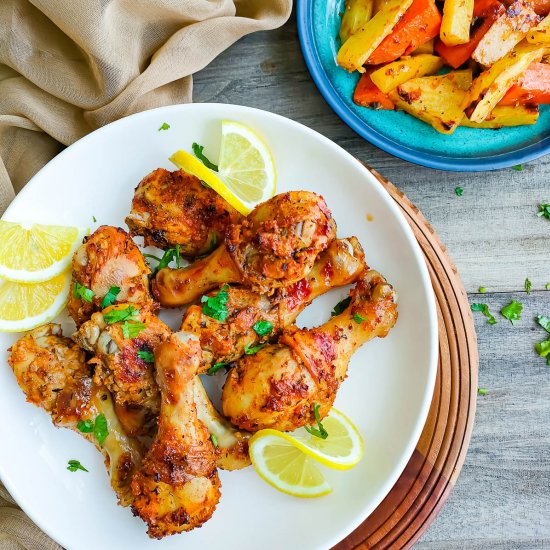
427	47
533	88
541	33
507	31
542	7
359	47
436	100
356	14
393	74
506	116
367	94
419	24
491	85
457	18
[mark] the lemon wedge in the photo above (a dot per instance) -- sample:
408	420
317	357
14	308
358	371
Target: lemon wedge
246	172
36	253
24	306
286	461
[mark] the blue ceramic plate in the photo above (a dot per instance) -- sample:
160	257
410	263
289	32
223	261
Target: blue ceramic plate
398	133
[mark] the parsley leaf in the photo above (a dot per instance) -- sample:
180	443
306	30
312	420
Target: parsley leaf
110	297
130	329
518	167
547	286
147	356
214	440
512	311
74	465
116	315
170	255
528	285
262	328
482	391
358	318
482	290
459	191
215	368
80	291
484	308
101	430
251	350
165	126
544	322
198	150
214	306
321	432
93	218
543	349
85	426
341	306
544	211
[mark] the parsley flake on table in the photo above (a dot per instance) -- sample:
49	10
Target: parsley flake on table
93	218
544	211
147	356
110	297
512	311
484	308
320	430
131	329
74	465
214	306
340	306
262	328
358	318
215	368
80	291
165	126
528	285
518	167
482	290
482	391
251	350
544	322
198	150
85	426
101	429
547	286
543	349
117	315
459	191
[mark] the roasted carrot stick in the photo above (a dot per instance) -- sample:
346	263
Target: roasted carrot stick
533	87
367	94
420	24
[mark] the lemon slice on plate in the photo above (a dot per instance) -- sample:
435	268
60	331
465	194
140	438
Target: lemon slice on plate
35	253
24	306
246	172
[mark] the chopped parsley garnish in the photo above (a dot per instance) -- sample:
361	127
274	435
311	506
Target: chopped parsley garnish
262	328
198	150
117	315
320	430
214	440
110	297
215	368
101	430
484	308
74	465
527	285
459	191
80	291
544	211
214	306
482	391
93	218
130	329
512	311
147	356
547	286
165	126
251	350
518	167
358	318
543	349
170	255
544	322
482	290
85	426
341	306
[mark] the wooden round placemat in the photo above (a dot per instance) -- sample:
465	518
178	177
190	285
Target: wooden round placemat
420	492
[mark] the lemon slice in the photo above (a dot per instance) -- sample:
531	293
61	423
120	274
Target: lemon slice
35	253
25	306
286	467
246	175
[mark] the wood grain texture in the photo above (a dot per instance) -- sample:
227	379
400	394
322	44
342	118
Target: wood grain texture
502	498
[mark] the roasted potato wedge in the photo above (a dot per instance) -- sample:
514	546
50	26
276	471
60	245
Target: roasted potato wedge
428	47
499	117
393	74
436	100
357	49
356	14
457	19
541	33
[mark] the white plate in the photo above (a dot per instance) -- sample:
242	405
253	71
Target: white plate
387	393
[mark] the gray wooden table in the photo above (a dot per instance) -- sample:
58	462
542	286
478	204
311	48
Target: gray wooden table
502	498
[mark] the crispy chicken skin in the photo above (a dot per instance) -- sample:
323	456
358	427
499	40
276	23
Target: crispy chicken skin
274	247
119	367
277	387
177	487
224	342
52	372
107	258
175	208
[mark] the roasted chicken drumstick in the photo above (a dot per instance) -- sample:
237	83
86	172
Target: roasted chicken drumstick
177	487
175	208
275	246
52	372
279	385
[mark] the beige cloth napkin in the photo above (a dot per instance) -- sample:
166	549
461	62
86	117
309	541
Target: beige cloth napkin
68	67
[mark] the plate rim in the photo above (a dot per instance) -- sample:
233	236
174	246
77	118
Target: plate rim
408	233
429	160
